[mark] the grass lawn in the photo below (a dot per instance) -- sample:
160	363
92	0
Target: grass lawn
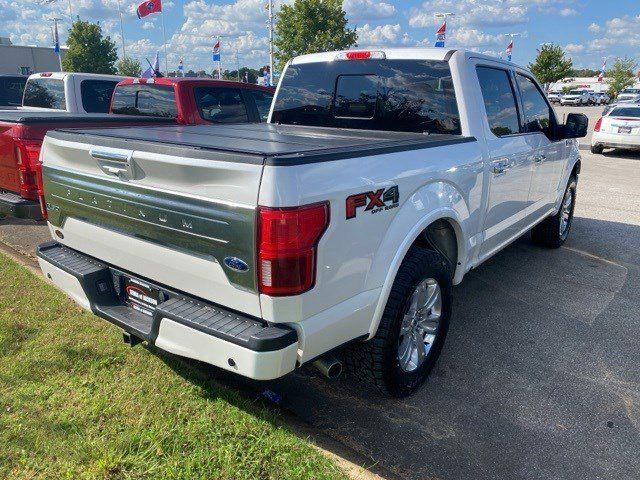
75	403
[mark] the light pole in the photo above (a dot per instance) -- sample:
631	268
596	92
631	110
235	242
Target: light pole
270	23
124	53
441	33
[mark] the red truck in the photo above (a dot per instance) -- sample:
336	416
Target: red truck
192	101
21	135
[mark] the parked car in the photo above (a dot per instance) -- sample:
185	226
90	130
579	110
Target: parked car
11	88
629	95
378	182
602	98
576	97
21	134
554	97
193	100
618	128
69	92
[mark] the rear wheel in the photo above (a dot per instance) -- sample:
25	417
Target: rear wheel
597	149
412	330
553	231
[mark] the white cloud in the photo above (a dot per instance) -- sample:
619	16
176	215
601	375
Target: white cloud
618	32
382	35
574	48
367	10
594	28
148	26
568	12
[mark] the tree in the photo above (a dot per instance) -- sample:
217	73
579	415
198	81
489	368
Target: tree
583	72
129	67
550	64
310	26
89	51
620	76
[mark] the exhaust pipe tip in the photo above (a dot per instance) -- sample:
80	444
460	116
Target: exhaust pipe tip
329	366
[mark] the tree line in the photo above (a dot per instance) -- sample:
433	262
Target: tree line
308	26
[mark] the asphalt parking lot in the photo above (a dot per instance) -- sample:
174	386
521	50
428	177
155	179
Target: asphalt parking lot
540	375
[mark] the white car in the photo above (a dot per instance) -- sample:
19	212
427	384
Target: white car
380	179
602	98
554	97
629	95
69	92
576	97
617	128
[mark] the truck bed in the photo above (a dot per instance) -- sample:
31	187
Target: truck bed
261	143
38	117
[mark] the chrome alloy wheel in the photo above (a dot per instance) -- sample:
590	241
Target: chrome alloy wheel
420	324
565	215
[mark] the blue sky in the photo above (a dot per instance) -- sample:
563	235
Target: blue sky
588	29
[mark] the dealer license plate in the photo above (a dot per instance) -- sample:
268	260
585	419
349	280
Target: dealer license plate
141	296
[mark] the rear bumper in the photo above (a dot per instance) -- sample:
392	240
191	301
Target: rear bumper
181	324
612	140
14	205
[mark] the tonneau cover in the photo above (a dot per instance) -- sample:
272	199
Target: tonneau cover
33	117
272	143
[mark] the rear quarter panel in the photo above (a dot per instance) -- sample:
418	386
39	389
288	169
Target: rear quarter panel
358	257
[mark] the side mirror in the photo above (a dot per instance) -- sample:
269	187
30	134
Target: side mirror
575	127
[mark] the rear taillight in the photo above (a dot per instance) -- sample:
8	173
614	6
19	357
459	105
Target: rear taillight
27	157
287	245
598	124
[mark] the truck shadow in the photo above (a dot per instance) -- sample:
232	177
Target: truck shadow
626	154
540	374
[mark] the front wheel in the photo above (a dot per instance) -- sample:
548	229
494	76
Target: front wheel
412	330
553	231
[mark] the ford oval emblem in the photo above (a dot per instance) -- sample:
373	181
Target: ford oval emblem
236	264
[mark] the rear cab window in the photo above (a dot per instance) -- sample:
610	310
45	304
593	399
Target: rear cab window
390	95
96	95
45	93
221	104
145	99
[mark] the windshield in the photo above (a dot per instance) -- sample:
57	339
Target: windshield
145	99
625	112
45	93
391	95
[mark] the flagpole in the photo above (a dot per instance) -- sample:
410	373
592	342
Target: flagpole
124	52
164	39
270	42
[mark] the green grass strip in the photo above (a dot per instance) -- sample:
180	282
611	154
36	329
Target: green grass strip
76	403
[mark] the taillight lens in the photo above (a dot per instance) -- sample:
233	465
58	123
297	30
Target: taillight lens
361	55
598	124
27	157
287	245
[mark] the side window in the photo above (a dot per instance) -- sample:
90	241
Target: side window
537	113
263	102
96	95
221	105
499	101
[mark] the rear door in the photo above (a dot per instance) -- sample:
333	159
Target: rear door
547	155
510	158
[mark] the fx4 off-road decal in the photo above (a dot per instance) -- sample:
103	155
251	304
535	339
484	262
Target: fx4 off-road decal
374	202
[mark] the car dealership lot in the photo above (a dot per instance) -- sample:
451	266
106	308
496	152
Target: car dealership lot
540	375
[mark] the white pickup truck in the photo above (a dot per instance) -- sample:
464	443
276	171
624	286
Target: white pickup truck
69	92
381	178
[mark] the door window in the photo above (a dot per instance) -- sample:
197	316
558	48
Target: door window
537	112
263	102
96	95
499	101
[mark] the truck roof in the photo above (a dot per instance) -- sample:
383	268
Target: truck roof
39	116
62	75
194	81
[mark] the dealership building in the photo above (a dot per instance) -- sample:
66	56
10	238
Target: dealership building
27	59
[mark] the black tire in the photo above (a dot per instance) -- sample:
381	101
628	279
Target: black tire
597	149
549	233
376	361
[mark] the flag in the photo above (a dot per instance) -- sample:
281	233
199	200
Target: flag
441	34
216	51
56	39
148	7
601	75
181	67
154	69
509	49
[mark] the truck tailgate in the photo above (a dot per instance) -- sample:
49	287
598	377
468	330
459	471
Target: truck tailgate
164	214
